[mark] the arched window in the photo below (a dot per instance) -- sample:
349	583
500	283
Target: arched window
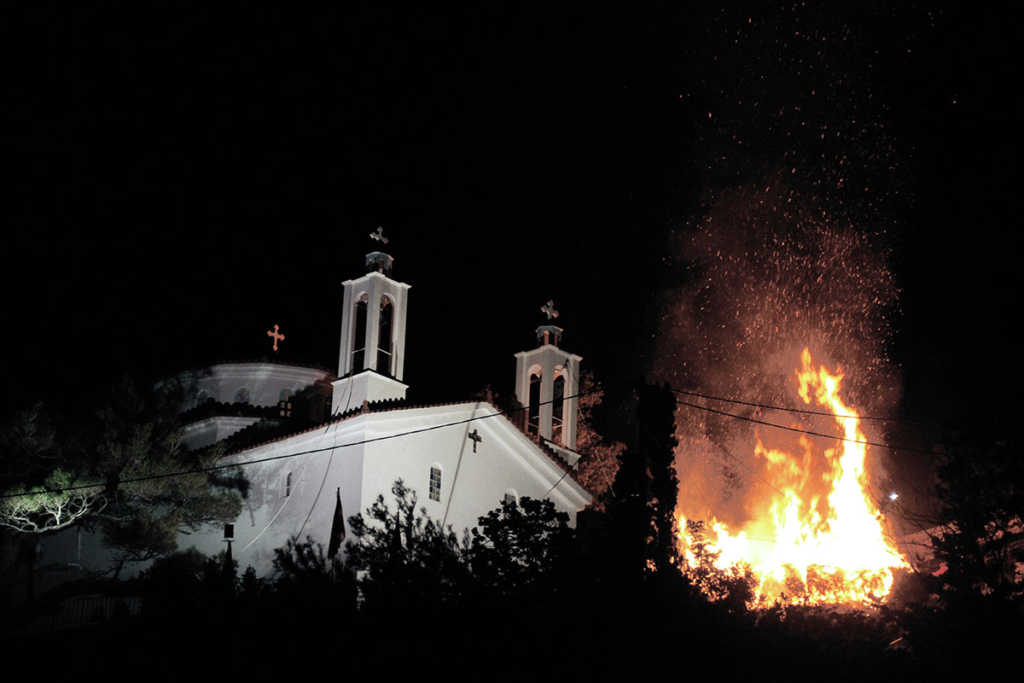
557	405
533	423
284	403
242	395
435	483
288	485
359	338
387	313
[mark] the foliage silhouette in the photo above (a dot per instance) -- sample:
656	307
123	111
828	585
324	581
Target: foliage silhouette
974	602
34	462
645	490
601	457
404	559
519	550
134	434
733	588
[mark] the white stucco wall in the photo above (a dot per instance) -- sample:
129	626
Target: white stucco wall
212	429
504	460
264	381
350	392
270	517
472	484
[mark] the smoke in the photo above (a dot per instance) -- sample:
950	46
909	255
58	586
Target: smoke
769	273
791	247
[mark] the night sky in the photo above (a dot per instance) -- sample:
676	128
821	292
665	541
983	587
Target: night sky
180	180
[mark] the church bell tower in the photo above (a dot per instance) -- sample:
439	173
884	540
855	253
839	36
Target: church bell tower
371	357
545	379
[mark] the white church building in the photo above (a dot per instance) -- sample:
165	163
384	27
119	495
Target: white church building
462	459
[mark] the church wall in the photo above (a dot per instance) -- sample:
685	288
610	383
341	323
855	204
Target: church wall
275	511
264	382
211	430
504	460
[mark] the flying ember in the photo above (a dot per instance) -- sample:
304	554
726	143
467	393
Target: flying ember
817	537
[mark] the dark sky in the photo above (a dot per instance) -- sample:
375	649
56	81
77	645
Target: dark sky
180	179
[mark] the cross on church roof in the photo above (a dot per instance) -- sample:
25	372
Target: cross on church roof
548	309
475	436
276	335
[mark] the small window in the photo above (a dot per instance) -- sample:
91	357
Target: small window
288	485
435	483
242	395
284	404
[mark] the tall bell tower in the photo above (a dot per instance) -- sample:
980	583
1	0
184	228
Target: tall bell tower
545	379
371	357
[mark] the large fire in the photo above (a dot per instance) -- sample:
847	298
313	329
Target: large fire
807	543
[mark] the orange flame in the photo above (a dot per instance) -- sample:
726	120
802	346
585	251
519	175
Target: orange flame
810	549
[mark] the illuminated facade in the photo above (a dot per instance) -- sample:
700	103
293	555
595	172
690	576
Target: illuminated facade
462	459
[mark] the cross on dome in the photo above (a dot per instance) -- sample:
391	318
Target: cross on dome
277	336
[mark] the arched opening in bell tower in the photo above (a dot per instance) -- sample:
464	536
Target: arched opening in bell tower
557	408
533	411
359	338
384	336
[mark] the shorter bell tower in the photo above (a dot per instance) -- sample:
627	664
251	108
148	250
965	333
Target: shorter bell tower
371	357
546	378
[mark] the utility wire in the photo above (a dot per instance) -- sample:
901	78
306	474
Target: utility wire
458	465
556	483
757	475
790	410
805	431
284	456
215	468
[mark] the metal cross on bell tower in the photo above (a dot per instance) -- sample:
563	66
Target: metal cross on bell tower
378	235
549	310
379	261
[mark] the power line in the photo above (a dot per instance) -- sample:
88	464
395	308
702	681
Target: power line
283	456
553	486
458	465
805	431
804	411
757	475
316	498
215	468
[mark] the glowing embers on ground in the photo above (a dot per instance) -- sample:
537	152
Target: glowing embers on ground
817	538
